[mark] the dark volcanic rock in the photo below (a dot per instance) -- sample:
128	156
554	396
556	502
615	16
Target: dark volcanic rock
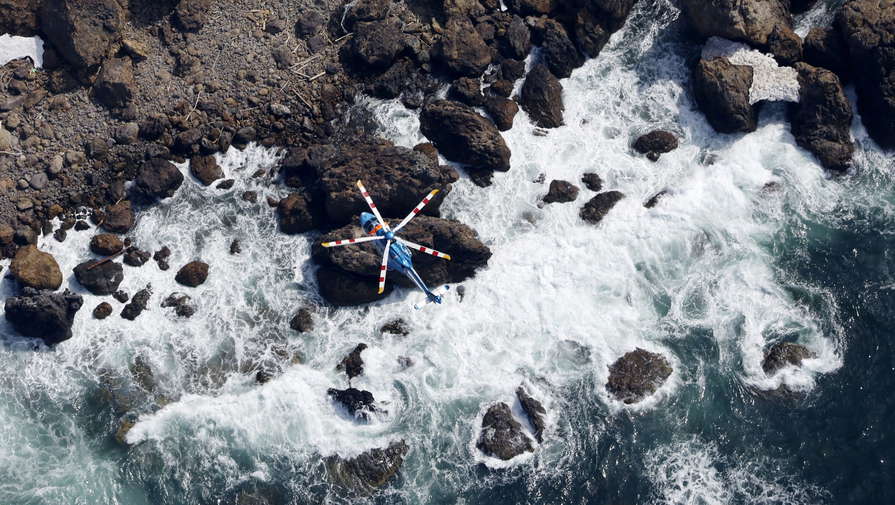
560	54
516	42
360	404
376	43
532	7
137	305
655	143
302	321
102	311
206	169
825	48
361	262
135	257
535	412
592	181
106	244
462	135
595	22
561	192
192	274
868	29
370	470
295	214
395	327
764	24
180	302
158	179
353	364
36	269
462	50
43	315
637	375
115	84
821	121
396	177
541	97
19	17
102	279
467	90
119	217
502	436
782	354
597	207
722	93
502	111
81	31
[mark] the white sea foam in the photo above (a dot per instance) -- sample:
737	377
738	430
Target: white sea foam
13	47
770	81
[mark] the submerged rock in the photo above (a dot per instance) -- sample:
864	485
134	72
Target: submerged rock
395	327
722	93
35	268
100	278
180	302
655	143
502	436
636	375
360	404
821	121
597	207
464	136
369	470
353	364
43	315
535	412
561	192
302	321
782	354
192	274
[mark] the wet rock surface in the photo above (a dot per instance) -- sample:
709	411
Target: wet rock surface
192	274
353	363
502	436
462	135
782	354
821	121
359	404
370	470
597	207
722	92
106	244
561	192
541	97
655	143
535	412
100	278
43	315
636	375
137	304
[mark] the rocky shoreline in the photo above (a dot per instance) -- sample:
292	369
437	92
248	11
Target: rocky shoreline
130	87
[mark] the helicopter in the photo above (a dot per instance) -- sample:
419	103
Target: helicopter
395	250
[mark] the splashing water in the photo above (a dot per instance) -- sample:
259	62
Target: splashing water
698	278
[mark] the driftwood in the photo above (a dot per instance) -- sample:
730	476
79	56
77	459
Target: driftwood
106	260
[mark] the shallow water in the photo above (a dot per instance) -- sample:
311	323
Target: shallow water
720	268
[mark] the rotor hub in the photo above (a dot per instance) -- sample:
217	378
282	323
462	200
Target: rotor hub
389	235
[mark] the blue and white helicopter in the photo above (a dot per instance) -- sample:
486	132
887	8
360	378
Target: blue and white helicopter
395	252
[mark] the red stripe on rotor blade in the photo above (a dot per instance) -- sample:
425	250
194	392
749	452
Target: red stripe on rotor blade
416	211
425	200
382	267
366	194
338	242
372	205
382	279
434	253
422	249
351	241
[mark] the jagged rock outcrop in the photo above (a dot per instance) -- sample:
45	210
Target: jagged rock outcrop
825	48
353	363
43	315
541	97
655	143
561	192
462	50
868	30
359	404
782	354
115	84
597	207
464	136
19	17
722	92
100	278
535	412
502	436
82	31
370	470
821	121
636	375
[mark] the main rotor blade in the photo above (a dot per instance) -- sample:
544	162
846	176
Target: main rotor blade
384	267
427	250
416	210
372	205
348	241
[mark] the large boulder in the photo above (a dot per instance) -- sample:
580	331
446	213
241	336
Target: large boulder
36	269
637	375
82	31
118	217
597	207
560	54
541	97
561	192
115	84
516	40
464	136
722	92
502	436
376	43
106	244
100	278
359	404
655	143
158	179
825	48
344	289
19	17
363	260
206	169
782	354
369	470
764	24
396	177
295	215
192	274
43	315
462	50
821	121
868	29
596	20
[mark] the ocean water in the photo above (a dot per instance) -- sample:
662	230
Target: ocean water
723	266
